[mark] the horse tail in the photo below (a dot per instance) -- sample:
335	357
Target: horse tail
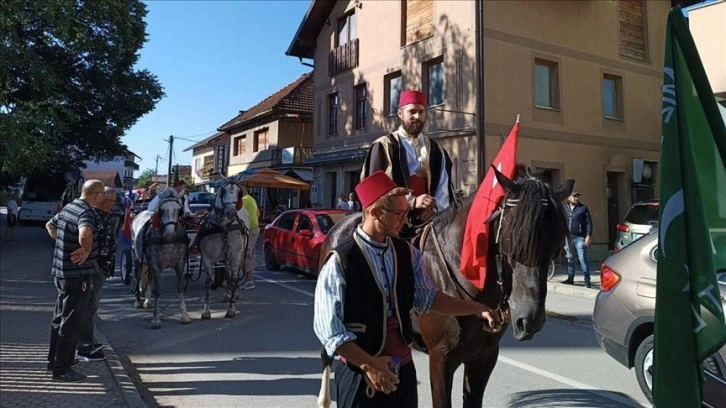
324	395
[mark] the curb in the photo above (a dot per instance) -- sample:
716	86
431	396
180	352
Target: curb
571	290
131	394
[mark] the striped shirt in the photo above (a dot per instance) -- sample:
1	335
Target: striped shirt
68	222
330	290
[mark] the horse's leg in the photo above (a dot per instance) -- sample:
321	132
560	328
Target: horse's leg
476	377
180	283
441	375
234	265
145	287
155	284
137	289
207	264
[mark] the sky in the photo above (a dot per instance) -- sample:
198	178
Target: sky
213	58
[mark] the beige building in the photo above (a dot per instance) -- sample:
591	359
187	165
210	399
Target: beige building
708	27
210	158
584	76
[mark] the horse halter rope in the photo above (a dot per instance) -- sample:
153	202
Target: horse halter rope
157	215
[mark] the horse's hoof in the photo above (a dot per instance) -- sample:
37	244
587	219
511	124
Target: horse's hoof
138	304
147	304
206	315
185	319
230	313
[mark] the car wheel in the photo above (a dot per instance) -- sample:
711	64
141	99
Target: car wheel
644	365
270	261
126	266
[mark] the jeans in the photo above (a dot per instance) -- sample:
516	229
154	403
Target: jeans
68	319
579	246
86	337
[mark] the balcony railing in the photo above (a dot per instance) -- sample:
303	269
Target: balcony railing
290	155
131	163
343	57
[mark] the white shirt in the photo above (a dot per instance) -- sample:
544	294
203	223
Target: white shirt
12	207
342	205
417	159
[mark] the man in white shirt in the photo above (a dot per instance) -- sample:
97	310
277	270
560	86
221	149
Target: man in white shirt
12	207
179	190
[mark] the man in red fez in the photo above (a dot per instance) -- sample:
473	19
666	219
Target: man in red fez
414	161
375	368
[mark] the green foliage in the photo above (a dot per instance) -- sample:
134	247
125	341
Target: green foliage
68	87
144	178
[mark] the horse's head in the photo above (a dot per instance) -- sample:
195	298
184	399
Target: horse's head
533	230
167	217
227	198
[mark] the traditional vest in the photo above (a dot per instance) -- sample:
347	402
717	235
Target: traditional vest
365	309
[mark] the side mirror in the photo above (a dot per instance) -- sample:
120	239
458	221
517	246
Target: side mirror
306	233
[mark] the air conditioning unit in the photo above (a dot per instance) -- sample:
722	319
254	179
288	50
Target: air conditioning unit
315	194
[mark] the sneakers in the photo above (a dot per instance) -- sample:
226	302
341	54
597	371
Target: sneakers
73	364
250	284
94	354
69	376
568	282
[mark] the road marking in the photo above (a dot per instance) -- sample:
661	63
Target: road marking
286	286
572	383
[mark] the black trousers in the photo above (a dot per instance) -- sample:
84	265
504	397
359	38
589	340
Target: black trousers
86	337
68	319
351	389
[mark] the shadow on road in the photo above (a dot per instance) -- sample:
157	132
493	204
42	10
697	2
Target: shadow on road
570	398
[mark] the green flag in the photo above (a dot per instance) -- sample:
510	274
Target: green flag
689	317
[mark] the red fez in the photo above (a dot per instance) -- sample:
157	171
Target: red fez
374	187
408	97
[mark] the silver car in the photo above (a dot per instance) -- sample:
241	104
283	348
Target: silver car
638	221
624	312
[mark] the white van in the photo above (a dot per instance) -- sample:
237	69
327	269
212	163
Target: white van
42	198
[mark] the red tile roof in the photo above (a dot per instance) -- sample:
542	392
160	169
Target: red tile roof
296	97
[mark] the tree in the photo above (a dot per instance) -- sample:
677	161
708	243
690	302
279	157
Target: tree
68	87
144	178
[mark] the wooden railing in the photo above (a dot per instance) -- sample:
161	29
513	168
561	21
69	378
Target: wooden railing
343	57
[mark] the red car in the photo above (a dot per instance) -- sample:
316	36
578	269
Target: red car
294	238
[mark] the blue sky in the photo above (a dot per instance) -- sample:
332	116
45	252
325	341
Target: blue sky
213	58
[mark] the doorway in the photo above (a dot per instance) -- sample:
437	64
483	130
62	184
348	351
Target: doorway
615	181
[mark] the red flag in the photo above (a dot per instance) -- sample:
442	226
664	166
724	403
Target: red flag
490	192
126	231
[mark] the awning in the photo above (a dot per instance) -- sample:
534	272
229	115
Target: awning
109	178
337	158
303	174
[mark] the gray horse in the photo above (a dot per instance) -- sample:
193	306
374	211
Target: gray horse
223	237
160	241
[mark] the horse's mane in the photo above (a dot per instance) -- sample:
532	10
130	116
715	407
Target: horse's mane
530	226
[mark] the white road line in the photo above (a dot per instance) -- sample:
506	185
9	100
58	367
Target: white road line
572	383
286	286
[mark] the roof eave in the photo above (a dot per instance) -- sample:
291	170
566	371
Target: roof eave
304	42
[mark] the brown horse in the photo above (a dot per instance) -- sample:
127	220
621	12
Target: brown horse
527	232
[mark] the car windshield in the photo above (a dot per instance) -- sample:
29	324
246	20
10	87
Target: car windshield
642	214
326	221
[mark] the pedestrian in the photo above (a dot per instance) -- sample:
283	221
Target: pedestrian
179	190
250	204
385	273
12	218
342	203
353	204
87	347
414	161
74	260
581	230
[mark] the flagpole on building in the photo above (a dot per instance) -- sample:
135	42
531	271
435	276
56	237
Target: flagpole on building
517	118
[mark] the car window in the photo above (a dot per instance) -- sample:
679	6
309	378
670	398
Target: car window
325	223
287	221
642	214
304	223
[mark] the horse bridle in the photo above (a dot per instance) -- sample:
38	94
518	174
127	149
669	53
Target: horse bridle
164	225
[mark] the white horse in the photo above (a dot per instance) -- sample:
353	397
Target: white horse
159	240
223	237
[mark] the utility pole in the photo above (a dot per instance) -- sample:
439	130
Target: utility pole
171	152
156	169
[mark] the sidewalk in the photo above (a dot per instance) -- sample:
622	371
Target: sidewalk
578	289
27	298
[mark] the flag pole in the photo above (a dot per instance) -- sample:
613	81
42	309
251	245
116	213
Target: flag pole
517	118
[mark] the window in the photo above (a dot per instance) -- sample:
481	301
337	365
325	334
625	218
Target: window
260	140
633	29
361	108
434	80
418	20
612	96
393	84
546	84
239	145
333	105
304	223
346	30
287	221
197	164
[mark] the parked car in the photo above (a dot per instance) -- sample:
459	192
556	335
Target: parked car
638	221
623	317
293	239
202	197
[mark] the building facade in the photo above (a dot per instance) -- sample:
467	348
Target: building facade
210	159
124	166
584	76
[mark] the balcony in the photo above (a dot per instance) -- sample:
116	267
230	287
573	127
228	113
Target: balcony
343	57
131	163
290	155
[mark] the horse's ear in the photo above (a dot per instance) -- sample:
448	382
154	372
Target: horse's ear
565	189
510	187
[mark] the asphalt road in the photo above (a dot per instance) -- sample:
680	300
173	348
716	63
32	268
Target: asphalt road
267	356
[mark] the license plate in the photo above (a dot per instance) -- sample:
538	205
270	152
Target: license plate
636	236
